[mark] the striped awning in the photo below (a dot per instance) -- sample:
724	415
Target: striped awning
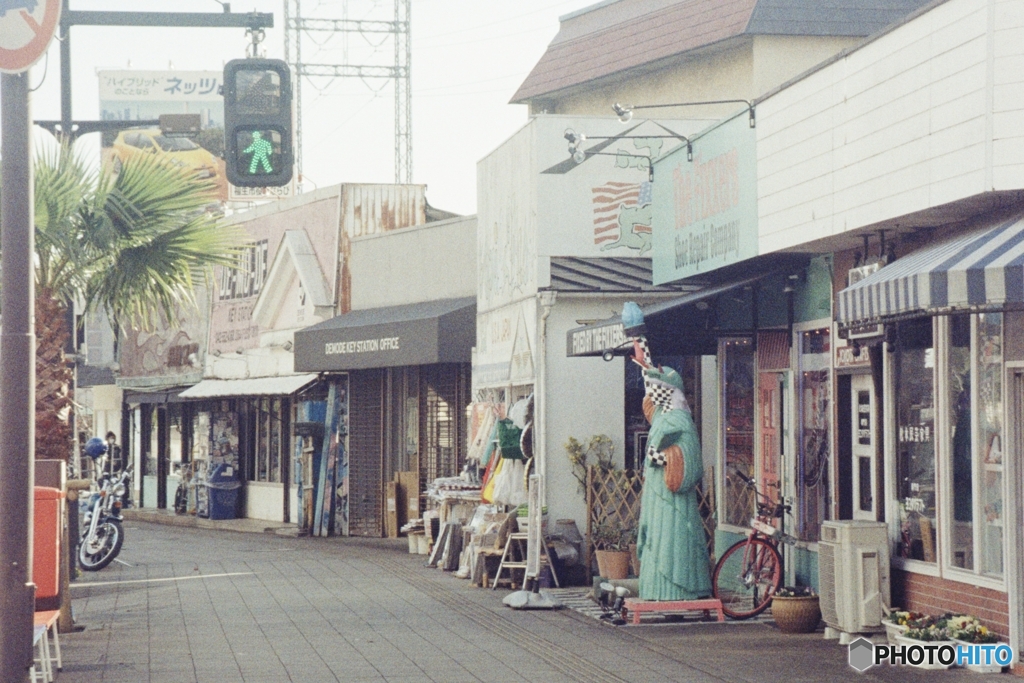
981	270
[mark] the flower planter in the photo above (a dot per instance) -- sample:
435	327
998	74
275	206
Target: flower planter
892	631
906	642
796	615
612	564
992	668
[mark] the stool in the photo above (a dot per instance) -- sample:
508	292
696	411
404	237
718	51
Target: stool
39	641
48	620
636	606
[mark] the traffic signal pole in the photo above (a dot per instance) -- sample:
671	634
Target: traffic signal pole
69	18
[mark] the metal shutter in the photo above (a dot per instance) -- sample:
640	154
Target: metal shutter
365	461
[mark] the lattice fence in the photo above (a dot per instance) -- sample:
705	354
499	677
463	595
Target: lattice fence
613	496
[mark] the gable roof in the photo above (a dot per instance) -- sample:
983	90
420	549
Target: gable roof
295	256
614	37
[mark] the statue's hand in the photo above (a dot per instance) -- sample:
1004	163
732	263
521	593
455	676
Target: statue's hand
674	467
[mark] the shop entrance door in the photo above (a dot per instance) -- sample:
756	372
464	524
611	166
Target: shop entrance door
770	389
864	470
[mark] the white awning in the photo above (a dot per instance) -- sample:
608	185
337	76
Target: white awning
257	386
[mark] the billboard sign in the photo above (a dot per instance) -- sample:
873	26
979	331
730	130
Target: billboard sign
705	211
146	95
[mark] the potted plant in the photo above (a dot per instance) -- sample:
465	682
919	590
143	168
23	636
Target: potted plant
933	634
898	621
611	543
967	630
796	609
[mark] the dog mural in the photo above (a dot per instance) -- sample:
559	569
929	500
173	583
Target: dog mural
623	211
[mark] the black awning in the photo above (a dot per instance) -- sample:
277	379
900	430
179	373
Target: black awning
424	333
608	335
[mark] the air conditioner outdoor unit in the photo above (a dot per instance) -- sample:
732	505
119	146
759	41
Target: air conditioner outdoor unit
853	574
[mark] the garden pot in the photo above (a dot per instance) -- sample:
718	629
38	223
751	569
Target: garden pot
936	665
893	630
992	668
796	615
612	564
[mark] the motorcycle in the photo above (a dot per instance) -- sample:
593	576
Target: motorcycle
104	530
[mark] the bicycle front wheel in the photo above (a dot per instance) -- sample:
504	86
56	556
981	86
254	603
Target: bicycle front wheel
747	577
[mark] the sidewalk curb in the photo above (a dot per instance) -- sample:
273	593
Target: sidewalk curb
247	526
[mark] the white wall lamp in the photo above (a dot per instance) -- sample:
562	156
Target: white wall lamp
579	155
625	111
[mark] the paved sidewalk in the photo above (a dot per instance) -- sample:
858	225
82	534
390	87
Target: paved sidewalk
194	605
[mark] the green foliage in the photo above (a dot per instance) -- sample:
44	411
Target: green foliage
599	452
133	244
613	534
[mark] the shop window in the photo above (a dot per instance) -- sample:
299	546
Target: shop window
815	444
738	424
962	468
267	423
989	446
915	443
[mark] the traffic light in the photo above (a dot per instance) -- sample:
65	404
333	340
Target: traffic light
258	122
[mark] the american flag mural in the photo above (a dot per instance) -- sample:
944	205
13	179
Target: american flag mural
609	200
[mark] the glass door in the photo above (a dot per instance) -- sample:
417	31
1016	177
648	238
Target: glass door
865	484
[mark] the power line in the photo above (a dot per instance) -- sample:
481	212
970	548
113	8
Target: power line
376	30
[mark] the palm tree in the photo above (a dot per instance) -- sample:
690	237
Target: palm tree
131	245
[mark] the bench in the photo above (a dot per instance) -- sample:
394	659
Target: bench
637	606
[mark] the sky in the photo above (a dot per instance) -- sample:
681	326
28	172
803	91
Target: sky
468	59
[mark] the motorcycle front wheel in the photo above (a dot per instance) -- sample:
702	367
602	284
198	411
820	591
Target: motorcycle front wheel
95	554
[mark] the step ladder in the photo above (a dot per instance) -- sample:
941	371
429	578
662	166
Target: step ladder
514	557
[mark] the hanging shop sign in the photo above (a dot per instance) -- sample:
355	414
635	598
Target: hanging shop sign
594	340
705	209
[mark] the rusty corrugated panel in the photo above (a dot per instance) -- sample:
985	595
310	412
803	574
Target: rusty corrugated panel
773	350
633	35
369	210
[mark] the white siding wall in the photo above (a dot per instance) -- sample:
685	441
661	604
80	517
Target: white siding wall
1008	95
506	244
584	398
894	127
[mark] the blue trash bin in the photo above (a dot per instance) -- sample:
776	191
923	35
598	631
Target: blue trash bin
222	492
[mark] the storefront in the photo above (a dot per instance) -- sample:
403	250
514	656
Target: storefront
256	416
953	370
405	374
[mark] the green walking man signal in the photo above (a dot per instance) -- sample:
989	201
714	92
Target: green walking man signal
258	122
260	150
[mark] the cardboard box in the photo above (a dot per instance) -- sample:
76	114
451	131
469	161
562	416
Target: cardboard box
391	509
409	496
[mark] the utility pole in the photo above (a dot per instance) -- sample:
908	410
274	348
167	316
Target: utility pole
299	28
17	380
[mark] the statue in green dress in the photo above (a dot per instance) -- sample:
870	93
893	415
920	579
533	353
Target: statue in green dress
671	544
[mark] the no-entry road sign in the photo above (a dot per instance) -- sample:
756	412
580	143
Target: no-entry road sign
26	29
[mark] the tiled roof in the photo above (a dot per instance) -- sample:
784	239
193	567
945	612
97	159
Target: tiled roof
606	274
827	17
615	37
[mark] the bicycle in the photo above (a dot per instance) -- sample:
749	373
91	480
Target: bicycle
750	571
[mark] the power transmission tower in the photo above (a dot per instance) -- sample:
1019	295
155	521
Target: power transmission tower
299	30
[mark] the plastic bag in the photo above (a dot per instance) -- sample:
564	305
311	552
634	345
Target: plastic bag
508	440
510	483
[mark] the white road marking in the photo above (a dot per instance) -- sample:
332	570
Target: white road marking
172	578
